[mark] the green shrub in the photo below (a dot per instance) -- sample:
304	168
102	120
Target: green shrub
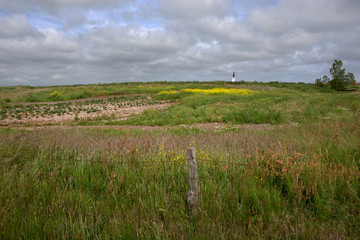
80	94
248	115
168	95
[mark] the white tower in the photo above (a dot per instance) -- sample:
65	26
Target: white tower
233	78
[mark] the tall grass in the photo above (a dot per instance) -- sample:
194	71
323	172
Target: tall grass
284	182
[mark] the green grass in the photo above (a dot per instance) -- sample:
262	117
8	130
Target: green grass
274	106
296	177
275	103
298	182
65	93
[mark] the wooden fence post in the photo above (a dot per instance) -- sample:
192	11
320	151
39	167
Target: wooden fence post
193	180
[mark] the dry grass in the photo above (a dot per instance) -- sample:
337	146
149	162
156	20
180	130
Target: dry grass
297	182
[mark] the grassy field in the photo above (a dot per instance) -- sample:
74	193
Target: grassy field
282	162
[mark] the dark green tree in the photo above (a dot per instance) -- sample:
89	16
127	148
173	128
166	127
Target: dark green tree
322	82
338	81
325	79
318	82
350	79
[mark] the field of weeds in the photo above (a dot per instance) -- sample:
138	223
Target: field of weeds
297	177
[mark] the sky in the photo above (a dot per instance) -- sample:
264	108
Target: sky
64	42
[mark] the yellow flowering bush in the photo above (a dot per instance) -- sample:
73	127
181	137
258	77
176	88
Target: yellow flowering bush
101	93
172	92
55	94
213	91
168	95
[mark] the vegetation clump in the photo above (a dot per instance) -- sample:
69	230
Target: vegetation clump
340	81
221	91
168	95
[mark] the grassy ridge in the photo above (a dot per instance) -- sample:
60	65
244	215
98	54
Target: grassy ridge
65	93
276	106
298	182
274	103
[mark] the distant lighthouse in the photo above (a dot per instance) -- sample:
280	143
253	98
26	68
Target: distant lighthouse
233	78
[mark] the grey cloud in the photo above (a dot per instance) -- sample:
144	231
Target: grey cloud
312	16
193	8
225	29
132	44
73	18
51	47
21	6
17	26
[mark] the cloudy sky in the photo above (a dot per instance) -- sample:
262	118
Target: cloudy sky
53	42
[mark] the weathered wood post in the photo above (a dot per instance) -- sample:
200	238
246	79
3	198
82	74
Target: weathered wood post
193	180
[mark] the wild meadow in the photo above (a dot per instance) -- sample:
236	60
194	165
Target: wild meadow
279	162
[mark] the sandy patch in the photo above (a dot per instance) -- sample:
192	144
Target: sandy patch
59	112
